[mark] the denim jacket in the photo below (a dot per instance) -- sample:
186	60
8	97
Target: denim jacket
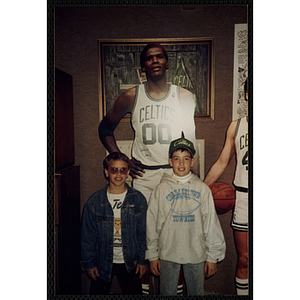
98	228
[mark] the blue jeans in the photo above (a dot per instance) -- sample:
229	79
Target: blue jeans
193	274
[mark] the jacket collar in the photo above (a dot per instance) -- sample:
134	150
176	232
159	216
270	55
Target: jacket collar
130	190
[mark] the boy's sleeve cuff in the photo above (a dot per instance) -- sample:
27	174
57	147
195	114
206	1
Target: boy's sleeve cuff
213	260
151	256
88	264
142	262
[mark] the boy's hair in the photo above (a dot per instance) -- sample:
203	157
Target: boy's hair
115	156
182	150
149	46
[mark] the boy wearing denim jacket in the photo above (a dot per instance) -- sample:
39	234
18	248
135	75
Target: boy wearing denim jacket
182	226
113	236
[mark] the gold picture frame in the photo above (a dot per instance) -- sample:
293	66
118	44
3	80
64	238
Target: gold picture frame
191	65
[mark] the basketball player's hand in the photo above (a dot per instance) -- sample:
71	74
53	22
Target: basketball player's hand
93	273
155	267
142	269
135	169
210	269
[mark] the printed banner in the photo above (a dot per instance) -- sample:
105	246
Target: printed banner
240	72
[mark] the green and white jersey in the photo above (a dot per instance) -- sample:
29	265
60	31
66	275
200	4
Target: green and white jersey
157	122
241	146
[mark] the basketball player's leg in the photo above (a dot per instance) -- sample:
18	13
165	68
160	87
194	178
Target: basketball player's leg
149	181
240	226
146	185
145	281
180	282
241	241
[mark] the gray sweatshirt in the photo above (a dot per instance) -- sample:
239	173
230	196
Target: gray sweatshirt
182	224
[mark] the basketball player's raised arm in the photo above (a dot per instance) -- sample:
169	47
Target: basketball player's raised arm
228	151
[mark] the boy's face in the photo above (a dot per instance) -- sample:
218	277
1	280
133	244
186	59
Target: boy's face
181	162
117	173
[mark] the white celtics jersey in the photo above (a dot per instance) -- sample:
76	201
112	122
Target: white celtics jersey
241	146
157	122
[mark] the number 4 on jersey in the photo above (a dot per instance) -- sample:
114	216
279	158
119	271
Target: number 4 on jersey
245	160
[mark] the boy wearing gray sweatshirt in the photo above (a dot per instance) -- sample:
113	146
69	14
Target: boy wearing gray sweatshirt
182	226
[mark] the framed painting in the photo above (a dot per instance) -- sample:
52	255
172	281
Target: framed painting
191	65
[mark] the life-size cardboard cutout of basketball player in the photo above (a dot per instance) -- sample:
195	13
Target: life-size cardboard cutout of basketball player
237	142
159	113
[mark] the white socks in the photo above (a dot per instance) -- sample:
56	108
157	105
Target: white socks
241	286
145	288
180	289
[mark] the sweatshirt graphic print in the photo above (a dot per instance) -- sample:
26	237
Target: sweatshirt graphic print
183	203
